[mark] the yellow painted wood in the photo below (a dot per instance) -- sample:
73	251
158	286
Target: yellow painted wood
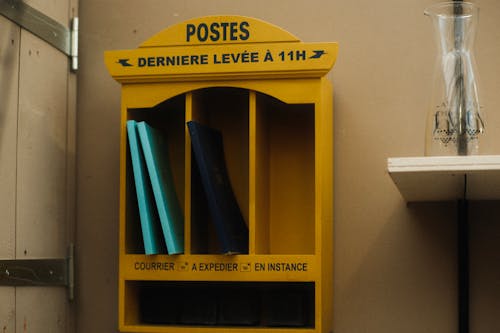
267	267
209	30
221	62
277	120
325	187
168	58
188	165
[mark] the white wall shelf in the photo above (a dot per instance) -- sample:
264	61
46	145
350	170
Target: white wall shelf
444	178
448	178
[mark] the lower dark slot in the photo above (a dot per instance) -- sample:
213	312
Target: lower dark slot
159	305
289	306
239	305
198	306
246	304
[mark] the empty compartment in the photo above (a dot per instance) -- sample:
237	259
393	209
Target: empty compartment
284	177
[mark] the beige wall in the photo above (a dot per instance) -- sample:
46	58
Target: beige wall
395	264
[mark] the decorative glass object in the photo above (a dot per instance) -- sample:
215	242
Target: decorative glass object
455	122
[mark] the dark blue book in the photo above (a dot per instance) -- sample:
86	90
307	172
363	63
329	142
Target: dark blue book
150	223
232	232
155	151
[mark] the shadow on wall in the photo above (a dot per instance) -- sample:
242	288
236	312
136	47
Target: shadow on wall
414	258
484	257
409	272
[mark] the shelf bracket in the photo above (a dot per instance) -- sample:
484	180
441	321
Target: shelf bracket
57	272
44	27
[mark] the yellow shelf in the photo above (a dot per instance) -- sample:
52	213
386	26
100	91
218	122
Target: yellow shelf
270	99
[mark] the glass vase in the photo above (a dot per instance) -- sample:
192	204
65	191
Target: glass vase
455	123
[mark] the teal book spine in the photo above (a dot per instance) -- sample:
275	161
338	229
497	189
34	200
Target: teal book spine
160	174
150	224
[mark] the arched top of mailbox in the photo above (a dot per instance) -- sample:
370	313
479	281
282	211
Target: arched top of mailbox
223	29
215	48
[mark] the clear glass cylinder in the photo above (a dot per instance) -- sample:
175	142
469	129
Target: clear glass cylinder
455	123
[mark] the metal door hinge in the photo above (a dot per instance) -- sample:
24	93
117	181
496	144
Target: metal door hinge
39	272
46	28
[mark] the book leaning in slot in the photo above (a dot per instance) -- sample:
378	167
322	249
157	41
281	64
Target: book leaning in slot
231	230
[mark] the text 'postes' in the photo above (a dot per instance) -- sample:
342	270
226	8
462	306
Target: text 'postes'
217	31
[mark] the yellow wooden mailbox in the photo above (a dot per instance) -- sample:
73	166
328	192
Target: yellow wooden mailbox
268	95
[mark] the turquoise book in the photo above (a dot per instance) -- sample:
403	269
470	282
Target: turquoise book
155	150
150	223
